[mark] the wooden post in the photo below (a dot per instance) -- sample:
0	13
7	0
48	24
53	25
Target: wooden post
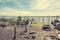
57	17
43	20
48	20
25	28
14	33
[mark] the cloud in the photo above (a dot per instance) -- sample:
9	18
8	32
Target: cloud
12	12
4	0
39	4
16	4
30	8
45	4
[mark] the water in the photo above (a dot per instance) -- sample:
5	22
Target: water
45	19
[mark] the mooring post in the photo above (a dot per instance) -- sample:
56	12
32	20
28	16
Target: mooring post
57	17
14	33
48	20
43	20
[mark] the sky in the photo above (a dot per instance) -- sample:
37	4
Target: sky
29	7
